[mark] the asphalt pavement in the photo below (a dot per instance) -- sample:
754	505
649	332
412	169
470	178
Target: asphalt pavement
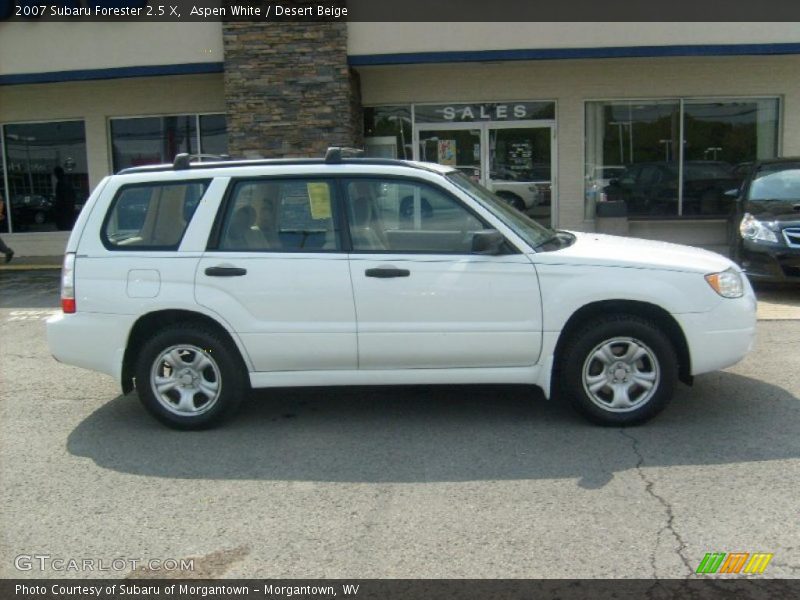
417	482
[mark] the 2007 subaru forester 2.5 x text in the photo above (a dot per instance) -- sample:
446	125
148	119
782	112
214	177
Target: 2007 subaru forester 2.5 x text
199	281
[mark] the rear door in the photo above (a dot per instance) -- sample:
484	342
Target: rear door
423	298
275	271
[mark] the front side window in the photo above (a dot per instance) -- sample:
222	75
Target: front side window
280	215
534	234
151	216
393	215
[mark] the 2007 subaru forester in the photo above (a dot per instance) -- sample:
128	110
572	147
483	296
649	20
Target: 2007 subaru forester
198	281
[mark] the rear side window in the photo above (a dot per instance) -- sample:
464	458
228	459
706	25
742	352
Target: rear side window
281	215
151	216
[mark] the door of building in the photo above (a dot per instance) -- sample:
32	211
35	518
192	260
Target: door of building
516	160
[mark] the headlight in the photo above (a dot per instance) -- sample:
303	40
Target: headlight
752	229
727	284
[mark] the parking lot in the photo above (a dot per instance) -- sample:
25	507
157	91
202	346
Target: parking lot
418	482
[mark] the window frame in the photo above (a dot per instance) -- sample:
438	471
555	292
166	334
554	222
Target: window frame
108	245
222	216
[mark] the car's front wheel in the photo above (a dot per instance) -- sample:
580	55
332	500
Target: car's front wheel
620	370
189	378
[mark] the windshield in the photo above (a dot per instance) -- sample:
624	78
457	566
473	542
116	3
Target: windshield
776	183
525	227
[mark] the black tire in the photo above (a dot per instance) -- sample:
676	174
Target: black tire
218	366
623	401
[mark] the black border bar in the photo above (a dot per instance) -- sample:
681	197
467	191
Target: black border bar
401	10
711	587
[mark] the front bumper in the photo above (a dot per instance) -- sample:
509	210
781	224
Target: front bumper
770	262
722	336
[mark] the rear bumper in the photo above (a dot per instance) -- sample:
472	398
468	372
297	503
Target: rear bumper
90	340
723	336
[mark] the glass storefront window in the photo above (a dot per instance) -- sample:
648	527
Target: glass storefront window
152	140
4	220
723	138
634	153
213	134
45	179
387	132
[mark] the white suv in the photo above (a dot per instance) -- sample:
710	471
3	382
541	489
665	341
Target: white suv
200	281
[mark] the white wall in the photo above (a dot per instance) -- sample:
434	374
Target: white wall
36	47
571	82
389	38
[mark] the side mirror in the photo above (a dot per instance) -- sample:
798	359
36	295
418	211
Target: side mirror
487	241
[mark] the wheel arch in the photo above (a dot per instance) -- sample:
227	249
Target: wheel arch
637	308
145	325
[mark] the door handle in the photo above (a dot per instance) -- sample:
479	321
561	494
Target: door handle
225	271
387	272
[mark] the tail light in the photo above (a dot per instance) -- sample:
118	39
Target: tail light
68	284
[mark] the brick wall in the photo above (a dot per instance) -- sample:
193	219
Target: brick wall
288	89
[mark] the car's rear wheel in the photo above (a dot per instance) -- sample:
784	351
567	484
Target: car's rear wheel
189	378
620	370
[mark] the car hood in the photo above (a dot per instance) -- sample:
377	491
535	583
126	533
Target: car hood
613	251
774	210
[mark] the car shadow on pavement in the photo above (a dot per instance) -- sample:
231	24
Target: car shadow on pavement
444	434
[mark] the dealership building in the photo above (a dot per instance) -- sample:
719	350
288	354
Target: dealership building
559	118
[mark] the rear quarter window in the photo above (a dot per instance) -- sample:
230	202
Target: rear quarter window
151	216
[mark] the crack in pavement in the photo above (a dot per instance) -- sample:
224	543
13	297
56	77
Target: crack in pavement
669	526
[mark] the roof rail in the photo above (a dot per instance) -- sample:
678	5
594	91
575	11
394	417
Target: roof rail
183	160
335	154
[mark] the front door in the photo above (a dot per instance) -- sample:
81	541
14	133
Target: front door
423	298
276	274
520	167
516	160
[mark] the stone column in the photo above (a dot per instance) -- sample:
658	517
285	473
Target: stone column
288	89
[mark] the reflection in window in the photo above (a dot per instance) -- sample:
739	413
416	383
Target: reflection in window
155	140
397	216
213	134
46	173
633	153
280	216
151	217
387	132
776	184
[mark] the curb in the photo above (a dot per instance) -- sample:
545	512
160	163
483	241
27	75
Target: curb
28	267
